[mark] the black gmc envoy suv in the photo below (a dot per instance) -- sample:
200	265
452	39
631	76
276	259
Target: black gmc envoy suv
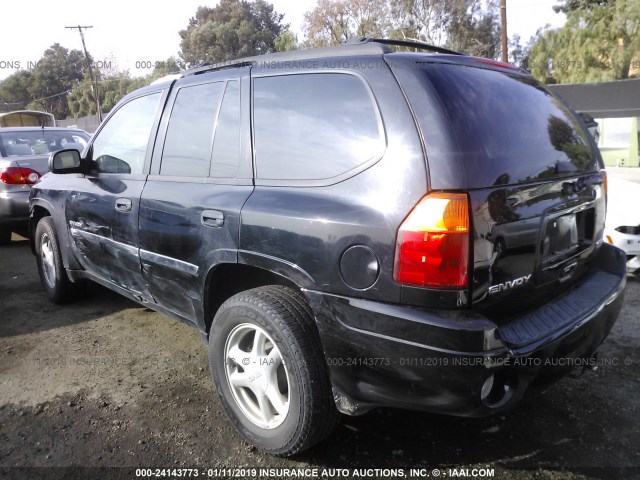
349	227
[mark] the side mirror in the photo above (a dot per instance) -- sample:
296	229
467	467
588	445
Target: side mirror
65	161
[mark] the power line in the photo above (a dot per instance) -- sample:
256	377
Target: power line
86	54
52	96
37	99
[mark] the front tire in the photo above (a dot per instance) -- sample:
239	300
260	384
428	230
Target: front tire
269	370
53	276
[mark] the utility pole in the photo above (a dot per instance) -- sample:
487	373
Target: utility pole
94	82
503	30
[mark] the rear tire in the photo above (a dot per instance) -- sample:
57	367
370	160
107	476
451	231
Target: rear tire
269	370
53	276
5	236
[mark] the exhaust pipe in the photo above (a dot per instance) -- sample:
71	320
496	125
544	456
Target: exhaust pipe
498	388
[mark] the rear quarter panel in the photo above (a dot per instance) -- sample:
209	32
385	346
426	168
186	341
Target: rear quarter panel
306	229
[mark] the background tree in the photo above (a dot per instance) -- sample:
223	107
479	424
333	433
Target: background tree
334	21
112	89
286	41
519	53
597	43
327	24
424	20
14	91
470	26
114	85
170	65
57	72
232	29
474	29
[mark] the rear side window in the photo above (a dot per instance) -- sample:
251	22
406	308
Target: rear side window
314	126
226	145
189	139
509	128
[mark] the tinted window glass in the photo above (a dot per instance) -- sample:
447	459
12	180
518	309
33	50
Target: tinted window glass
40	142
314	126
121	145
187	148
226	146
509	128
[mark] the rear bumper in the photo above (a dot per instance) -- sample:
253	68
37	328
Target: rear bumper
14	208
458	362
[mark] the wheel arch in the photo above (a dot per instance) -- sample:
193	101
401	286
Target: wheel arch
227	279
38	212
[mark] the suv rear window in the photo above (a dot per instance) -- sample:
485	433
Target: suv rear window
509	128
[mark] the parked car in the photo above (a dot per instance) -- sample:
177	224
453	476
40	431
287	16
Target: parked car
623	221
323	216
24	157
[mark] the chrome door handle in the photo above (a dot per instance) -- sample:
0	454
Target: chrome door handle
123	205
212	218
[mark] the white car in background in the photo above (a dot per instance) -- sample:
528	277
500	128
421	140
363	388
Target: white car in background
623	220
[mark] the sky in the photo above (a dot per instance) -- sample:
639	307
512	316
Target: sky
134	34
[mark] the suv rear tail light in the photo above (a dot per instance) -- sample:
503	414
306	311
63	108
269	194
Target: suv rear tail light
432	246
18	176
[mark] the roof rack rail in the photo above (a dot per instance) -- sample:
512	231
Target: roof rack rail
342	50
210	67
401	43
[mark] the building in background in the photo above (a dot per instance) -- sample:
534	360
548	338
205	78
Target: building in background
618	142
616	107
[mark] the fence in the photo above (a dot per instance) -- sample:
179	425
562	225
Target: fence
89	123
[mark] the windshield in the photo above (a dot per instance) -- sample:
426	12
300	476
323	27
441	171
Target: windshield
40	142
509	128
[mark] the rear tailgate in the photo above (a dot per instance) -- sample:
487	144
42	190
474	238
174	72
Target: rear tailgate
532	241
531	172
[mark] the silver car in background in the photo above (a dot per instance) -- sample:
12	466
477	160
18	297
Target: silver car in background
24	158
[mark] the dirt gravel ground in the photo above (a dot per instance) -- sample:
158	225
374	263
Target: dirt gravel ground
104	382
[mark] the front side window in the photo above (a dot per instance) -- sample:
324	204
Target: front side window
121	145
314	126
